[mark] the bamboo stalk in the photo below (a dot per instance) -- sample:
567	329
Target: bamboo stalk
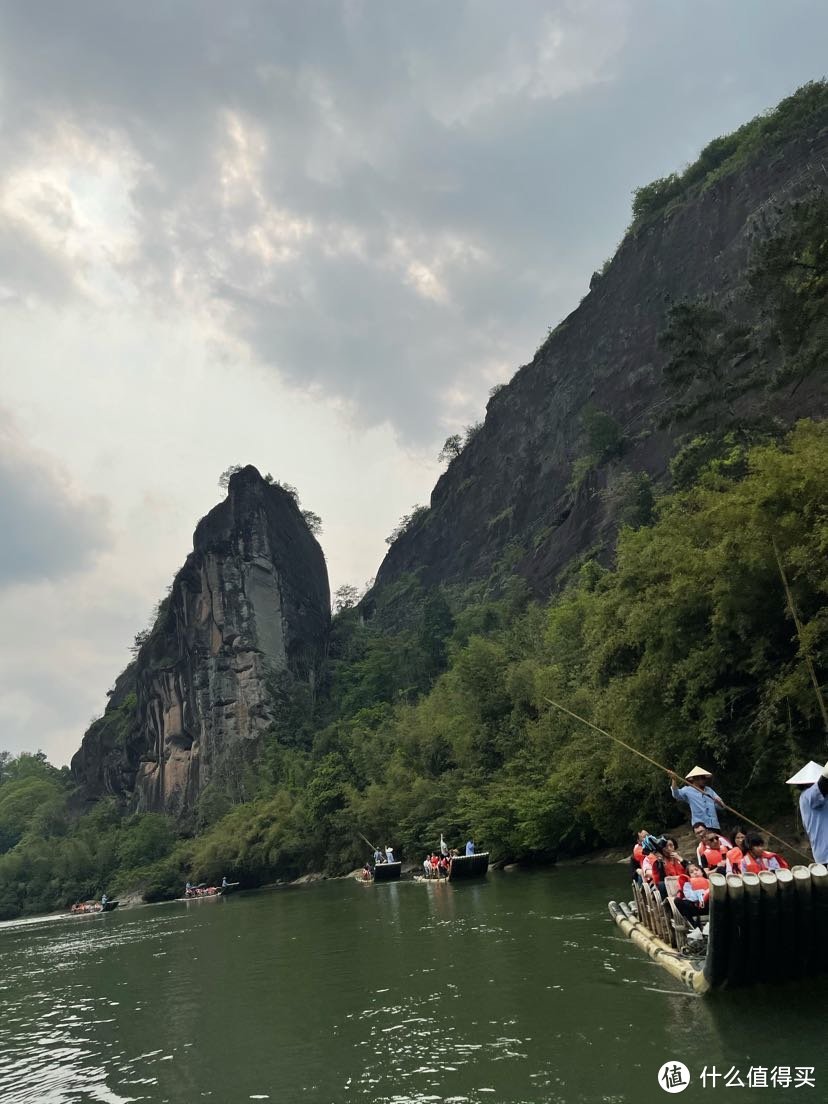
806	655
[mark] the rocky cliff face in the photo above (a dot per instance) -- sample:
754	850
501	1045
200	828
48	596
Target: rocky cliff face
251	605
510	495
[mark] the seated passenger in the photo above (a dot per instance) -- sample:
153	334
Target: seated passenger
427	866
435	864
637	856
693	896
733	859
444	866
713	854
652	865
701	832
673	862
757	859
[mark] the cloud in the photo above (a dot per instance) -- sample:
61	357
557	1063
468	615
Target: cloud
377	200
50	529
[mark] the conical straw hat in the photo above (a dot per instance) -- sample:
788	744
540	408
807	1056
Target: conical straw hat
698	772
807	776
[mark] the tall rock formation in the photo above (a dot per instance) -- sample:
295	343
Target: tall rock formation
514	499
250	607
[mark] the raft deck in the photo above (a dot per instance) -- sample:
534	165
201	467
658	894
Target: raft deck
765	927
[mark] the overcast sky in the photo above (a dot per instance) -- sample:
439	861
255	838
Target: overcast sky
309	237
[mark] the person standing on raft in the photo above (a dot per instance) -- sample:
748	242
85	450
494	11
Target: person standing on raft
812	781
702	798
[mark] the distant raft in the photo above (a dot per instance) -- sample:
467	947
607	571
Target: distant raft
387	872
767	927
468	866
92	908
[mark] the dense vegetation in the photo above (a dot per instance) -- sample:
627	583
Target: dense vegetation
806	109
684	648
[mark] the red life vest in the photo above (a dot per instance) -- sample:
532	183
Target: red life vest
696	882
673	868
638	853
713	858
703	884
752	865
650	864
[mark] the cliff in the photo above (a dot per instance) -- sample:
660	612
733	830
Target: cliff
530	492
251	605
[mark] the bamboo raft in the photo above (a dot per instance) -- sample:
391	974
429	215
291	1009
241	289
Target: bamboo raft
95	909
468	866
387	872
765	927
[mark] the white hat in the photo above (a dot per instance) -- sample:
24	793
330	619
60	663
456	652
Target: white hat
807	776
698	772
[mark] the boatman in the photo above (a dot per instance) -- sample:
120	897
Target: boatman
469	847
812	782
701	797
389	854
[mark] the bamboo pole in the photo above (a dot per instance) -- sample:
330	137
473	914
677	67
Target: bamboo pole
675	774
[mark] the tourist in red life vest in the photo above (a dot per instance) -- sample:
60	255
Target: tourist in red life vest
638	850
637	856
757	859
652	865
735	854
693	896
701	832
435	864
673	862
713	856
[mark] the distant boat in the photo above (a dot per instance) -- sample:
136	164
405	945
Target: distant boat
387	872
468	866
92	908
764	927
203	892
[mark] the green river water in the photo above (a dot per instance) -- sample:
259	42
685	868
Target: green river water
516	988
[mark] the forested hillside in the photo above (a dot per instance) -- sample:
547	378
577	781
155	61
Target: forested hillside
685	648
430	711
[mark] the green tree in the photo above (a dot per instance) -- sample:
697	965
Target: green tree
452	447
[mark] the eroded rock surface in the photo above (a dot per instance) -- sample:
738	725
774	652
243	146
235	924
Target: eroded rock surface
511	493
251	605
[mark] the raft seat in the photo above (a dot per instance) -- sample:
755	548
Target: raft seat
680	926
656	916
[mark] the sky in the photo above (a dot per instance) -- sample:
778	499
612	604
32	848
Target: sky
310	237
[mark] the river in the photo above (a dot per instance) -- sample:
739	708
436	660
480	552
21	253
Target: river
514	989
